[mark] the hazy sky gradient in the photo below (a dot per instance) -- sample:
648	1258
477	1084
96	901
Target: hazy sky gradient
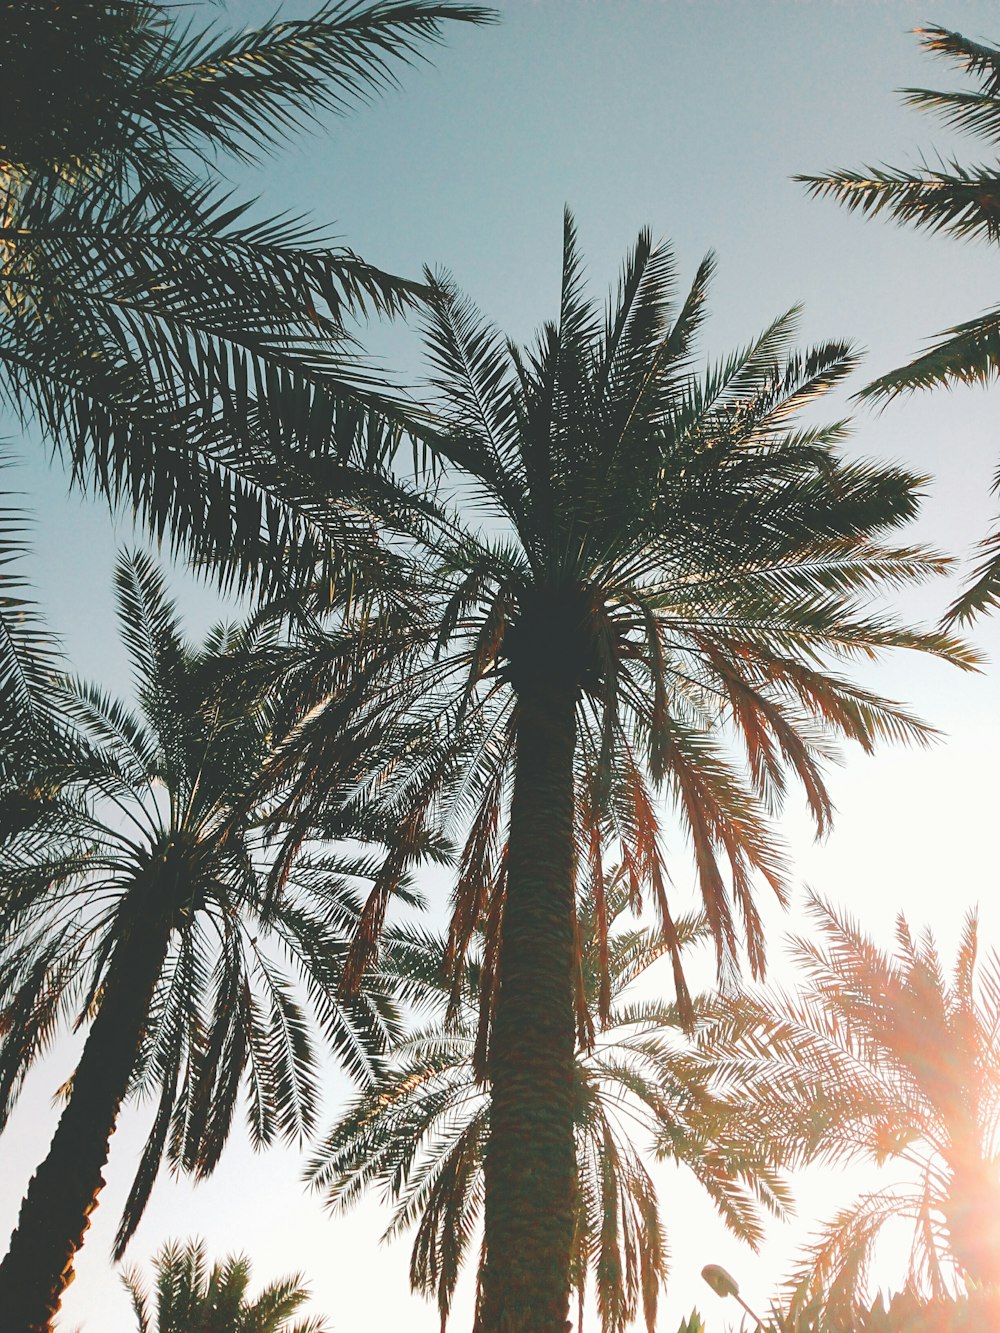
691	118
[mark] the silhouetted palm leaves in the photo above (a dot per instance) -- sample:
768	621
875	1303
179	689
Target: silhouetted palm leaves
186	358
28	659
190	1297
961	201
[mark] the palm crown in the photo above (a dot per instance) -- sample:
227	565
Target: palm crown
664	562
680	552
28	658
134	903
190	1297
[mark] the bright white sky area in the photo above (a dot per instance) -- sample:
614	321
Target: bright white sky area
689	117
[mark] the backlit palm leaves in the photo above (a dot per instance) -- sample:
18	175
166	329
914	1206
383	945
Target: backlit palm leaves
133	904
882	1057
188	359
963	202
420	1133
190	1297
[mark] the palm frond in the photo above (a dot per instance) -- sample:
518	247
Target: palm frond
29	657
245	91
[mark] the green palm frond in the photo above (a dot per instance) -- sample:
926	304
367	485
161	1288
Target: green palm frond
954	198
191	418
470	368
983	592
123	87
980	60
965	354
29	659
243	92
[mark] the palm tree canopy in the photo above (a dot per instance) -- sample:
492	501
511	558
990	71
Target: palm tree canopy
960	200
678	547
882	1056
150	816
191	359
419	1133
190	1297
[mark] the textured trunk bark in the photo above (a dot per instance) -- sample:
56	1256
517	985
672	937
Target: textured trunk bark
55	1213
530	1162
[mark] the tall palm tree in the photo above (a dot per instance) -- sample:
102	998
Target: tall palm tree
662	562
188	358
963	202
878	1057
419	1134
133	906
192	1298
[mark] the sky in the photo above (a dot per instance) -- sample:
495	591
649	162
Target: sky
690	118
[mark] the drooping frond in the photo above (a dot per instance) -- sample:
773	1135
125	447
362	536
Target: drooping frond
245	91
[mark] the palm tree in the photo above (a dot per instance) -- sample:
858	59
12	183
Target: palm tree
188	358
963	202
879	1057
664	561
191	1298
419	1134
133	905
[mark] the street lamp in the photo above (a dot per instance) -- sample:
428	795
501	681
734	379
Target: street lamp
724	1285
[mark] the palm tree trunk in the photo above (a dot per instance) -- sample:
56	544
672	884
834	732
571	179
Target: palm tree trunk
55	1212
530	1160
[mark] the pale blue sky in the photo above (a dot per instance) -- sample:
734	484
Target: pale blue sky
689	117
